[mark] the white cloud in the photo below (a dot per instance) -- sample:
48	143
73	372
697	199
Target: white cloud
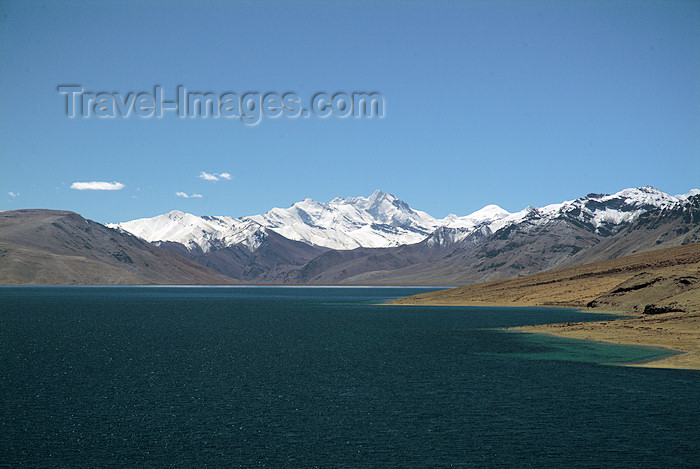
13	194
208	177
193	196
97	186
215	176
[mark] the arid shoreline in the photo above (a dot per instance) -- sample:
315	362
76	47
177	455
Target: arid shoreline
678	332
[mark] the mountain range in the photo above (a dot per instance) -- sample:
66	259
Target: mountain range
375	240
378	221
381	240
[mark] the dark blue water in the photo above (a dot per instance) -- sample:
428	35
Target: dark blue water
320	377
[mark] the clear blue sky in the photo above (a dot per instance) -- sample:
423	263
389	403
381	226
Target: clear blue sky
512	103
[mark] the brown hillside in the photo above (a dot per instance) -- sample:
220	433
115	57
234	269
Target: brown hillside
665	278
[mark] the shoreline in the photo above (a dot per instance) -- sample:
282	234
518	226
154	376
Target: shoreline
665	281
676	332
657	363
405	301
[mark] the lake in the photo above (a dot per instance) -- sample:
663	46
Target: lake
322	377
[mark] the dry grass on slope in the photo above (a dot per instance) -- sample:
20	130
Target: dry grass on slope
624	285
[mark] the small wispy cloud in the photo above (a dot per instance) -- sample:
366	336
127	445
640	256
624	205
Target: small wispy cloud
97	186
13	194
186	196
214	176
208	177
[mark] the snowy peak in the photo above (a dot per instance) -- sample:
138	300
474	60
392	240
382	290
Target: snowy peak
205	233
691	193
630	199
380	220
387	207
605	212
490	212
383	207
486	216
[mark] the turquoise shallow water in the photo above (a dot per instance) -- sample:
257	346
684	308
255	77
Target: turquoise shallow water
544	347
321	377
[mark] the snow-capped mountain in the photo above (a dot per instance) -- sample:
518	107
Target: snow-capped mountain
485	216
447	236
205	233
382	220
601	213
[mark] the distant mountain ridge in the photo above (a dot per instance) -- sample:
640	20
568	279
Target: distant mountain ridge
380	239
382	220
378	221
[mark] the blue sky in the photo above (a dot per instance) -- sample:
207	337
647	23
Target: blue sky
512	103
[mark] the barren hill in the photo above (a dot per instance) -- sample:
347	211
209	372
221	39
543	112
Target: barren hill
662	279
53	247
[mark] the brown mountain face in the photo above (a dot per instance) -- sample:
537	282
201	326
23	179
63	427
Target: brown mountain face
53	247
276	260
654	282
